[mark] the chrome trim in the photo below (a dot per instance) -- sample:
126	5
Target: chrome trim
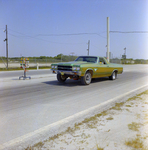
114	71
67	72
88	70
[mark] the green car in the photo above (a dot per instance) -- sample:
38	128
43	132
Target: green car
85	68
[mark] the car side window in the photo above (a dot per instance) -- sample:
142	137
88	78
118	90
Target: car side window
102	61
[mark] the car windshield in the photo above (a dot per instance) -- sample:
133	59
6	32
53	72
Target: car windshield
87	59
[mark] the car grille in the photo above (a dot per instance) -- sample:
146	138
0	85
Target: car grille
66	68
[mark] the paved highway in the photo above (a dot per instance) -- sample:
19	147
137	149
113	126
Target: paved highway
28	105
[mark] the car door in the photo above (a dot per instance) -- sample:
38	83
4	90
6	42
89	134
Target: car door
103	68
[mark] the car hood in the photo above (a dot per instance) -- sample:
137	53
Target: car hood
74	63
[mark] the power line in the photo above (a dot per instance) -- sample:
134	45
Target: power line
36	36
45	40
128	31
70	34
64	34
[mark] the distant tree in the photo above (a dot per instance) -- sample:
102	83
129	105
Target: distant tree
42	57
58	56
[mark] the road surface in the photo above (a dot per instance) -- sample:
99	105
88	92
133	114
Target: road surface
28	105
14	74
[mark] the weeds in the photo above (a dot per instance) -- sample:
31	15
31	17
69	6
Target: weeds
138	116
18	68
98	115
92	123
134	126
145	92
127	110
138	96
35	146
70	130
39	144
109	118
118	106
104	113
29	148
91	126
135	143
89	119
132	98
99	148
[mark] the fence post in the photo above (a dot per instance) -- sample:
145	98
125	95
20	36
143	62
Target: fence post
37	66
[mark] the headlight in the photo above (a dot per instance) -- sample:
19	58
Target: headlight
54	67
78	68
74	68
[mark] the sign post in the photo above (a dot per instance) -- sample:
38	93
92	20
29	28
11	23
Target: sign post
24	64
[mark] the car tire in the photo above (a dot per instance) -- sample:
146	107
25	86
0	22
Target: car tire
61	78
113	76
86	79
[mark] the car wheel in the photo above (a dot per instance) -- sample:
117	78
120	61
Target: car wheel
61	78
113	76
86	79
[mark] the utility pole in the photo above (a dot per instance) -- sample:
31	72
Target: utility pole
125	51
108	39
88	47
6	44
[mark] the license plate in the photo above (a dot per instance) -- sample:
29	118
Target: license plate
62	73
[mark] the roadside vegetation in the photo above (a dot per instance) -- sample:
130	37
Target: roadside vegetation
62	58
46	61
41	59
90	129
18	68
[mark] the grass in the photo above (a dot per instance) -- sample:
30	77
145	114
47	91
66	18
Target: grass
109	118
84	136
92	121
36	146
127	110
138	116
18	68
89	119
118	106
138	96
134	126
54	137
135	143
104	113
91	126
29	148
39	144
145	92
99	148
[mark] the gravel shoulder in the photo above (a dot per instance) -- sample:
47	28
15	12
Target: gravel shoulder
124	126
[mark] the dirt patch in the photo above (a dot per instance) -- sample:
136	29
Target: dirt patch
124	126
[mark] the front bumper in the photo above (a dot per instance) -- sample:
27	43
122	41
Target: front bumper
62	72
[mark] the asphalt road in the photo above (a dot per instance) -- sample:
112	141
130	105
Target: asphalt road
12	74
28	105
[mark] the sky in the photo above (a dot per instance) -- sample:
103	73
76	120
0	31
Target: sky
51	27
